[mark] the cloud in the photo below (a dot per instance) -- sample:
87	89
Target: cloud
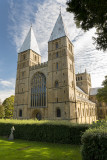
5	83
5	94
43	16
7	88
9	83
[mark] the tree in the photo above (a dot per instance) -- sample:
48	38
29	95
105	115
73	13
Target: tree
102	92
2	113
8	106
89	14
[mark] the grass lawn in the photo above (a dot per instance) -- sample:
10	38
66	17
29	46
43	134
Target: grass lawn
27	150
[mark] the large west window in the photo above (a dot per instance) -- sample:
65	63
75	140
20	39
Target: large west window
38	90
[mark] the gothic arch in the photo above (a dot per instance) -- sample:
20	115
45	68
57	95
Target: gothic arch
36	114
38	90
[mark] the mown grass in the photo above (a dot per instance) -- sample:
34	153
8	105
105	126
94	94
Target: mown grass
25	150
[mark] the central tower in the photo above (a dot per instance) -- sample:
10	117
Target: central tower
61	74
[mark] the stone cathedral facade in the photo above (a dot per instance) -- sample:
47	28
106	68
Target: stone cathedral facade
51	90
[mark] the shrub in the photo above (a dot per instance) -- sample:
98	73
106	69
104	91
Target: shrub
99	124
48	131
94	144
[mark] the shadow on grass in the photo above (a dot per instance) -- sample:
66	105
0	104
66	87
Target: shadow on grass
27	150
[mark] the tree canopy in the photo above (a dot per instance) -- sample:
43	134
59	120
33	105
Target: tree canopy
89	14
8	106
102	92
2	113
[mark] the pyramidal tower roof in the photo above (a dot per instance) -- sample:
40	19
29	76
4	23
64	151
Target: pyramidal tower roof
30	42
59	29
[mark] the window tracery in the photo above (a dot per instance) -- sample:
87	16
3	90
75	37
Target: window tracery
38	90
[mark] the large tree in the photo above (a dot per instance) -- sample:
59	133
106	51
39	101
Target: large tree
102	92
2	113
8	106
89	14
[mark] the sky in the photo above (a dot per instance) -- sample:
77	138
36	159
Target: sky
16	17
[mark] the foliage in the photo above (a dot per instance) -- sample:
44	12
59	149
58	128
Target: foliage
89	14
102	92
2	113
8	106
25	150
94	144
46	131
99	124
94	141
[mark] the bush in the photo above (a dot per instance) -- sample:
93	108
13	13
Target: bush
48	131
99	124
94	144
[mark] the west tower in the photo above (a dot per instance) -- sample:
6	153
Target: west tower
28	56
61	74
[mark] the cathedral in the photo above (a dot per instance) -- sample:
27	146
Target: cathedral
52	90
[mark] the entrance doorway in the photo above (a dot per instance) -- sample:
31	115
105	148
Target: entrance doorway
38	116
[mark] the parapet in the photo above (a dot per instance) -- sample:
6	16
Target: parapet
41	65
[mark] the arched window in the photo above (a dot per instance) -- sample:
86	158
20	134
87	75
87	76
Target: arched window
35	57
56	54
20	112
58	112
56	45
38	90
56	84
57	66
24	56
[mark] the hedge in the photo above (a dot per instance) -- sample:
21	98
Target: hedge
45	132
94	144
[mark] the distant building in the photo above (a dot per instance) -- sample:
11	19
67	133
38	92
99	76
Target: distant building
48	90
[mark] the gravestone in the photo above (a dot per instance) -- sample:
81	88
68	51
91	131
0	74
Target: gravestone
11	137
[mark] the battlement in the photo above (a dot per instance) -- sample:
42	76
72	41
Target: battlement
41	65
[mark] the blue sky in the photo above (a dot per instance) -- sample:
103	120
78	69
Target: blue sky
16	17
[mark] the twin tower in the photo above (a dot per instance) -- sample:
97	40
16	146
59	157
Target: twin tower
46	90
